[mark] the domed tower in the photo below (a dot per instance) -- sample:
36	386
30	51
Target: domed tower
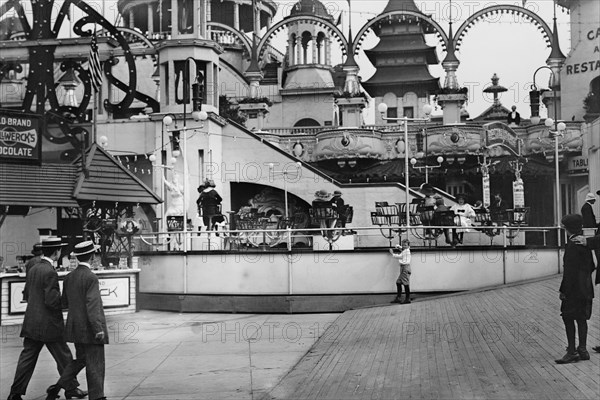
402	79
307	76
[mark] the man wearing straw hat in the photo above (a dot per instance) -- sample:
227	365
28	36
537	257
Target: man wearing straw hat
86	324
43	323
36	251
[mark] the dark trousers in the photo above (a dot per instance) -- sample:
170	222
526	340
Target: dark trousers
90	356
28	359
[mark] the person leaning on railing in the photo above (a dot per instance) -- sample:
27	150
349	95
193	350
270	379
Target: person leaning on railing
440	216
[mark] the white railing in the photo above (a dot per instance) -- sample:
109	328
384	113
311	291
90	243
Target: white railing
371	237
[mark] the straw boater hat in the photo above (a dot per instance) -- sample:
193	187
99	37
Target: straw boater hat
51	242
322	194
337	193
85	247
37	249
590	196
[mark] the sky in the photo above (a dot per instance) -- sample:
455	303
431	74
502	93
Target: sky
513	49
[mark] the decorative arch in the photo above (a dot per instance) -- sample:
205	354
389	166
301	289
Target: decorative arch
307	122
240	38
501	9
430	25
328	27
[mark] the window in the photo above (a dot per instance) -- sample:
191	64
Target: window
392	112
409	112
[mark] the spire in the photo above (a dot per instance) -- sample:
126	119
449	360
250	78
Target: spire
253	73
556	53
401	5
350	61
450	54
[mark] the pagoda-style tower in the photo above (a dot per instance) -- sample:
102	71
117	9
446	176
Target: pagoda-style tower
401	57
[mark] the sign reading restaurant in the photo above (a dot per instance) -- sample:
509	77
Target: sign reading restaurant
20	136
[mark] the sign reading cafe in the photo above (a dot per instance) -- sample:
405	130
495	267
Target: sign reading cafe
20	137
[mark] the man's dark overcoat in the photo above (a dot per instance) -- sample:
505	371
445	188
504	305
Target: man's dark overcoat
577	276
81	295
43	319
589	219
594	243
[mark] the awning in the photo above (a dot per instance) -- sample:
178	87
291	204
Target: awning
49	185
109	181
64	185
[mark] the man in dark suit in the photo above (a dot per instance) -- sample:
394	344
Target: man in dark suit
86	324
587	212
593	243
513	117
43	323
498	209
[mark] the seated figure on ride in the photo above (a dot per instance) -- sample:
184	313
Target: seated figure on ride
465	216
324	214
427	205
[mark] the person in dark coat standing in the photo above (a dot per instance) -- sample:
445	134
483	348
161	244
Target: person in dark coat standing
209	202
592	243
513	117
576	290
86	324
43	323
587	212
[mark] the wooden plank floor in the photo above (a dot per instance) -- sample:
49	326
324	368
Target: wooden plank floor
492	344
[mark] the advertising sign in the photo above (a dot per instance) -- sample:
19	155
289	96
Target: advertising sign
486	191
113	290
20	137
518	194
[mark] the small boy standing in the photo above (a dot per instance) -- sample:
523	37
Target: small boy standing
403	256
576	290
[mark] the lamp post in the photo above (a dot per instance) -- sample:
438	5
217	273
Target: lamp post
413	162
382	108
167	121
559	127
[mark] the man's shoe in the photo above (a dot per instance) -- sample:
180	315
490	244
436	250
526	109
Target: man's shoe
14	396
77	393
397	300
570	357
406	301
52	392
583	353
596	349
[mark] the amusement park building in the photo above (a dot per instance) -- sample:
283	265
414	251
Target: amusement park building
286	105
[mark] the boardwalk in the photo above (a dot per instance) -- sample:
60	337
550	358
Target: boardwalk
494	344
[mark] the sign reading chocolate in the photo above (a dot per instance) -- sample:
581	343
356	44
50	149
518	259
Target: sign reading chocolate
20	136
499	134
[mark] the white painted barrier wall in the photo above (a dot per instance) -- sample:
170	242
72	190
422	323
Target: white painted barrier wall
320	273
